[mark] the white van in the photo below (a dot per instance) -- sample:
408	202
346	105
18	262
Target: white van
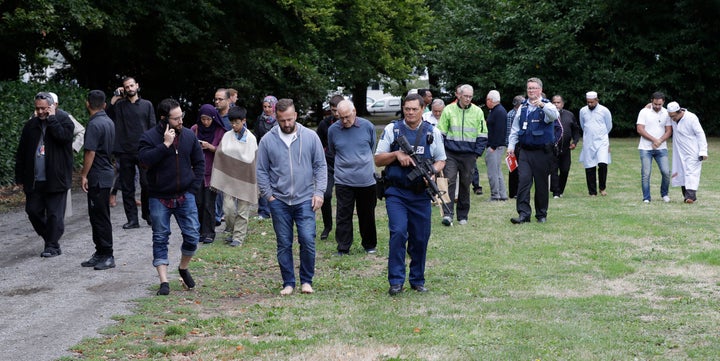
385	105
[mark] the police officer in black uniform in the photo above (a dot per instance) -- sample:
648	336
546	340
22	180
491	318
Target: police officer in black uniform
533	132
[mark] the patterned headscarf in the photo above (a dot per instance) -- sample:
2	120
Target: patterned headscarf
208	133
272	101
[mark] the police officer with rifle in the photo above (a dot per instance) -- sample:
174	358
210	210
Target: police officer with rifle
411	151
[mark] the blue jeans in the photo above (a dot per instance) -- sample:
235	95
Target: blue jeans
186	216
283	217
661	158
409	222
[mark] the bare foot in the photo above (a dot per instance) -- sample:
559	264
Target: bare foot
306	288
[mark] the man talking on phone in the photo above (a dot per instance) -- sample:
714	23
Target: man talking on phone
43	167
132	116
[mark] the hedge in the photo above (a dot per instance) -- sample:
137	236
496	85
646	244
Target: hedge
17	105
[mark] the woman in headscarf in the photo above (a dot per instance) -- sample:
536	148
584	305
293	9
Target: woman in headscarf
209	131
265	122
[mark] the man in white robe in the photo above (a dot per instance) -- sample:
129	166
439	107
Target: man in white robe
689	150
596	123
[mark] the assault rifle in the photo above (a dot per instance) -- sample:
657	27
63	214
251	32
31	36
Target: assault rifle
423	168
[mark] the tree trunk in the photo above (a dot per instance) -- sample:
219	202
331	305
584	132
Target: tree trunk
359	92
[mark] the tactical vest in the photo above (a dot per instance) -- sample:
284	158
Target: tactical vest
420	139
534	133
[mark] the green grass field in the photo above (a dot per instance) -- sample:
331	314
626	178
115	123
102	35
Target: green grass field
607	278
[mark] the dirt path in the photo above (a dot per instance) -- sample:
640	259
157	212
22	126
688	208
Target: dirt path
49	304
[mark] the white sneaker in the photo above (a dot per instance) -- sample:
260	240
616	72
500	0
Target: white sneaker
666	199
462	222
646	201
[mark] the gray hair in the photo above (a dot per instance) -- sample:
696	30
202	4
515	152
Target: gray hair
437	101
535	80
465	87
519	99
346	104
45	96
494	95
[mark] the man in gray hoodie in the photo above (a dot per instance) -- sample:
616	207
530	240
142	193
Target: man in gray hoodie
292	176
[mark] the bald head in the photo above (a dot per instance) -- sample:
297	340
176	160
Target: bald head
346	113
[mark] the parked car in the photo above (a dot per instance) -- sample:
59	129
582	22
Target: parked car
385	105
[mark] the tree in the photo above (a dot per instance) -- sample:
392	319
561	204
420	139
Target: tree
623	50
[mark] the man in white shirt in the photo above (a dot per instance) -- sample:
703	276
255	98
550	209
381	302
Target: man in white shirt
655	127
436	109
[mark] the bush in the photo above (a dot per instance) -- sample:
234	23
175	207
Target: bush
16	107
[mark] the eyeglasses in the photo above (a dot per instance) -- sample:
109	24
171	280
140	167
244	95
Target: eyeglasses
42	96
177	119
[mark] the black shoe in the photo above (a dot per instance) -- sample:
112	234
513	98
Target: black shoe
92	261
341	253
325	233
371	250
478	191
217	223
208	240
50	252
106	262
419	288
395	289
164	289
131	225
542	220
519	220
187	278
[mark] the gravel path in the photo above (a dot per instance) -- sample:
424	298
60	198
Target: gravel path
47	305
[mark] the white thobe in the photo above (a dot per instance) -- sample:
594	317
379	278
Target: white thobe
596	125
689	144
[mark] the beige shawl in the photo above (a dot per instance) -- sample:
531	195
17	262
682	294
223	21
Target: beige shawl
233	171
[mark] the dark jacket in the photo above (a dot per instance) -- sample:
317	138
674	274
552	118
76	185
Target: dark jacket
497	127
58	149
262	127
174	170
131	120
571	130
322	132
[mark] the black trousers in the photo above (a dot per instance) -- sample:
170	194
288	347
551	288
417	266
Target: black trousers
99	212
205	201
592	181
559	172
46	212
348	198
128	163
327	202
533	167
459	169
513	178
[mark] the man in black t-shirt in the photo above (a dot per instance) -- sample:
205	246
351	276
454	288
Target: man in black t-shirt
97	179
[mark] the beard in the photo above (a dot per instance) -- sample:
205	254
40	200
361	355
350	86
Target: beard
288	129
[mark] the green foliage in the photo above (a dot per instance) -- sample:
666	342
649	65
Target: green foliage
623	50
16	107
